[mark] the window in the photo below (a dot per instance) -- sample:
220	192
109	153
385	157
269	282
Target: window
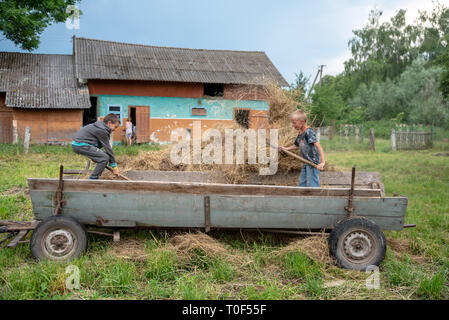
117	110
241	116
198	111
213	89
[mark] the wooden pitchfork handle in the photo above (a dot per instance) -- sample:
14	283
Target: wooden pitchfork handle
120	175
310	163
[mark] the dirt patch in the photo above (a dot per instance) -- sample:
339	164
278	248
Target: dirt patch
401	246
15	191
441	154
398	245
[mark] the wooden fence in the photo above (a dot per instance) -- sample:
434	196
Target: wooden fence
351	133
408	140
324	133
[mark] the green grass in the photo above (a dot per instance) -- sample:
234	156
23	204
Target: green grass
420	271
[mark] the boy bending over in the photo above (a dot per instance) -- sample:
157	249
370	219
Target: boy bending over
94	136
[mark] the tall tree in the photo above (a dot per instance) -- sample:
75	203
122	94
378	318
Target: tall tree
382	51
436	32
23	21
443	61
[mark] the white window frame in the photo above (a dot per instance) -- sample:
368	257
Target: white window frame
115	112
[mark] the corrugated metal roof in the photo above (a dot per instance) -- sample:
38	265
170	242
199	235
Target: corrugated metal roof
100	59
44	81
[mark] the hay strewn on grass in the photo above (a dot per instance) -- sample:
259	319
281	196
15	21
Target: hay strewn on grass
188	244
131	249
315	247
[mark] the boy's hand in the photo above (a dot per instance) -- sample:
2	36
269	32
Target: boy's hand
115	171
281	149
321	166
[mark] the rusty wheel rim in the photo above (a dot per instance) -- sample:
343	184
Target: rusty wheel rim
358	246
59	244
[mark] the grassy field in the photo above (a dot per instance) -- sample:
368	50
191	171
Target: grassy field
155	265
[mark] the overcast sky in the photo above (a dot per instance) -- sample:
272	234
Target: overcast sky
296	35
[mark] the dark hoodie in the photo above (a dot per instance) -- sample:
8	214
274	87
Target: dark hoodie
96	134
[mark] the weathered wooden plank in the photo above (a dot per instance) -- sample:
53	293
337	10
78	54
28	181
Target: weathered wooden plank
237	211
192	188
104	209
364	206
326	178
176	176
302	213
19	225
361	178
22	234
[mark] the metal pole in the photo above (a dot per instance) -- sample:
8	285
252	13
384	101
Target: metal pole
350	207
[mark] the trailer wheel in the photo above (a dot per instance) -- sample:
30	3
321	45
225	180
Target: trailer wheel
58	238
357	243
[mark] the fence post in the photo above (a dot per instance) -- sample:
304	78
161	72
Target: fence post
15	134
332	130
26	140
393	139
432	134
111	139
371	139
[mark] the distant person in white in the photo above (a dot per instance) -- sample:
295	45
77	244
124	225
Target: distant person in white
129	132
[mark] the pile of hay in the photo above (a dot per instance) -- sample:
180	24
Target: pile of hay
315	247
130	249
187	245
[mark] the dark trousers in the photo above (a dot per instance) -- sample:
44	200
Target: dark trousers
96	155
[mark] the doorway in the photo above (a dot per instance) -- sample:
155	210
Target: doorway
5	121
90	115
140	118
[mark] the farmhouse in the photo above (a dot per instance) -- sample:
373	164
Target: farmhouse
160	89
40	91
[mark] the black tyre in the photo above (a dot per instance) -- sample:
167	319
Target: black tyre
58	238
357	243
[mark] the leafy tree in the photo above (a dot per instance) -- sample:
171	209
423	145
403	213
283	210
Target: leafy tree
382	51
345	86
301	81
444	81
23	21
413	97
436	34
443	62
327	103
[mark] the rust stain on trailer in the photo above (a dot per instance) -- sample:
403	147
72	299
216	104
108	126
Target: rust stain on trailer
101	221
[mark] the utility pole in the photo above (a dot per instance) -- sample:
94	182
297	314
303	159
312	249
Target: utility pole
319	72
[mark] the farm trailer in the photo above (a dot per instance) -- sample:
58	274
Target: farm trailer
353	210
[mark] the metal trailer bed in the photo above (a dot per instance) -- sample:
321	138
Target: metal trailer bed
354	211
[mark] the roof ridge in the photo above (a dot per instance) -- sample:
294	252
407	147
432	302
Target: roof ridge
164	47
38	54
